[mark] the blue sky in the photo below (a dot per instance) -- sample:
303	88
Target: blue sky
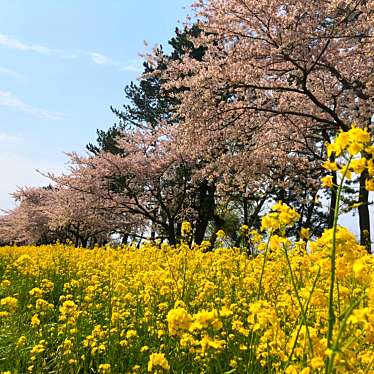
62	64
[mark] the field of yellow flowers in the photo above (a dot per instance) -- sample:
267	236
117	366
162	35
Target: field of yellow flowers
304	306
69	310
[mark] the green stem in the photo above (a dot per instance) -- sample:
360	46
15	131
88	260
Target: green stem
263	268
369	366
306	310
298	299
335	347
331	313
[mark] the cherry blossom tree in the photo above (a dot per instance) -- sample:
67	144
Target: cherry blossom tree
145	183
81	217
47	214
28	222
277	80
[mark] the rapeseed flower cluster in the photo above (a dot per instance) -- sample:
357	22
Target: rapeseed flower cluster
186	228
352	152
151	310
280	217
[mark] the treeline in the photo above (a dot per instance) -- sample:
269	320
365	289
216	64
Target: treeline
234	117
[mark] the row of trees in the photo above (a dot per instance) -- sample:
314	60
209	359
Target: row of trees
235	116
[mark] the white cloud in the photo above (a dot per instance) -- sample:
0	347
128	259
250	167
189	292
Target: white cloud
10	42
13	43
135	66
96	57
10	72
99	58
9	100
6	139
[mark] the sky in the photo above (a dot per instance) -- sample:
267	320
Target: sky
62	65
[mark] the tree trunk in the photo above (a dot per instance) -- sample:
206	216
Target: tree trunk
363	213
171	233
84	242
200	230
309	215
255	215
206	207
153	235
125	238
178	233
245	211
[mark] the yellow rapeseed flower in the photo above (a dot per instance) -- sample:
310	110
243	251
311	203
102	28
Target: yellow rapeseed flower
305	233
9	303
331	166
358	165
35	321
327	181
370	167
220	234
369	184
104	368
158	360
38	348
186	228
22	340
317	363
178	320
5	283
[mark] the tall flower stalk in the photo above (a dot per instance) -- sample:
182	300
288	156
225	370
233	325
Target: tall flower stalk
349	147
331	312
